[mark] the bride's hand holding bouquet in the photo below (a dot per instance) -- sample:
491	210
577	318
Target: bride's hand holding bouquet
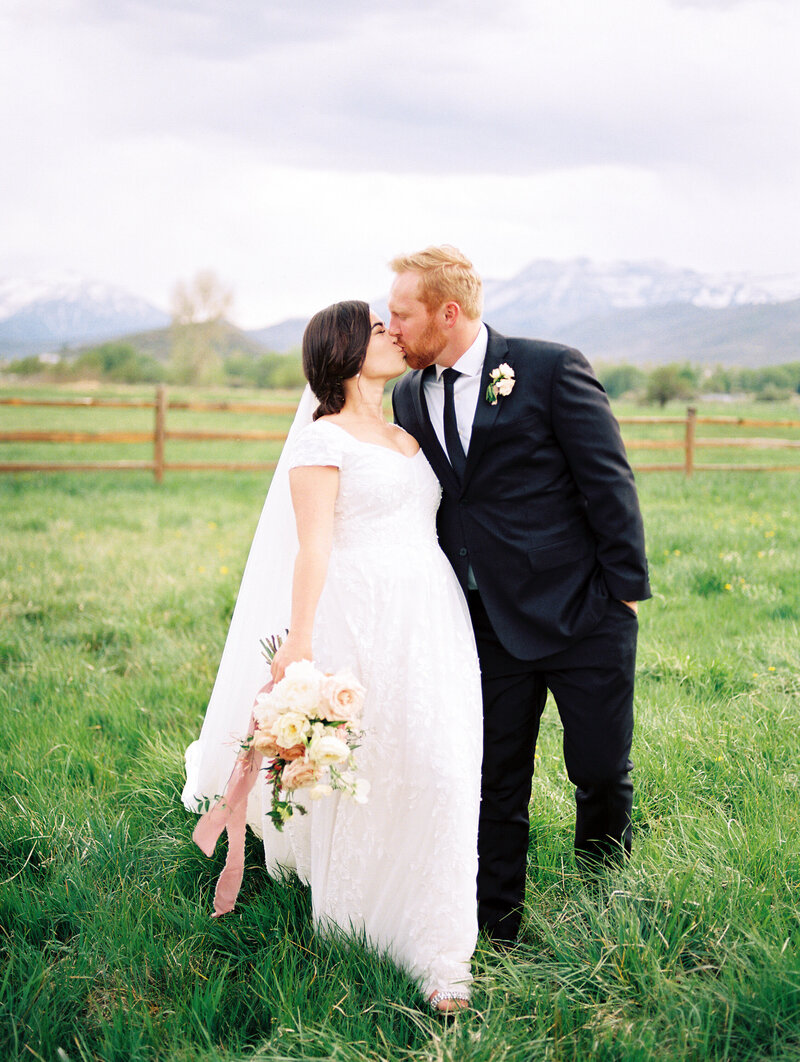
306	728
306	725
291	650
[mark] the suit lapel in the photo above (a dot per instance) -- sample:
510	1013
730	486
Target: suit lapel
486	413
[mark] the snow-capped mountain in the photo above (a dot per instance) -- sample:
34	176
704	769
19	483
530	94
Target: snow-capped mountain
548	295
634	311
637	311
49	311
649	312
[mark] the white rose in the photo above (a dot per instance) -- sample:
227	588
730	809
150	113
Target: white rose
318	730
301	686
504	386
326	749
265	710
290	729
273	703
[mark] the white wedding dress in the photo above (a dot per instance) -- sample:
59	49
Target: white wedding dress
401	869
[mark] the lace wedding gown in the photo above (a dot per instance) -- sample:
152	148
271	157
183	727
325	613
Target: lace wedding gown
401	869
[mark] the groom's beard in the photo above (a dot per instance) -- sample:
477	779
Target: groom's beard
427	348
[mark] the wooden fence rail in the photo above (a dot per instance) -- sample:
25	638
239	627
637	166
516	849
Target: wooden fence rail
158	437
689	443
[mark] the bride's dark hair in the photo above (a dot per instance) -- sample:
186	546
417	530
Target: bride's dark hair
334	347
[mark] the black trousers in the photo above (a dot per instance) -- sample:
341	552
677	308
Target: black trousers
592	684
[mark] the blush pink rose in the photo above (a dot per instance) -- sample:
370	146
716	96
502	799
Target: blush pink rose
264	742
292	753
342	697
298	773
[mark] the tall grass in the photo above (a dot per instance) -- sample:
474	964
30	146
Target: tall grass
114	600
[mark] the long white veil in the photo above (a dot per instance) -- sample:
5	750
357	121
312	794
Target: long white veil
263	608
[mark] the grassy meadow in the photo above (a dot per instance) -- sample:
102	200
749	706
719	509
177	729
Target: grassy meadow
115	595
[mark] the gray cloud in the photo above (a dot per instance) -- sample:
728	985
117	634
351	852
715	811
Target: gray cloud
238	28
184	111
418	90
720	5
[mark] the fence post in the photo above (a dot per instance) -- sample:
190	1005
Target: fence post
159	432
691	419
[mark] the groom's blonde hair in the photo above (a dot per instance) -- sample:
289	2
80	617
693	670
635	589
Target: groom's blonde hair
446	275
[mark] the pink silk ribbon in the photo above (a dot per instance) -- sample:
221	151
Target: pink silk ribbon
230	813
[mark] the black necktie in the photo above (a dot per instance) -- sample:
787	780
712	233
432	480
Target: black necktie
455	451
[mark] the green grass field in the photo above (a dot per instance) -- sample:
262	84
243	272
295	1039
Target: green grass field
115	595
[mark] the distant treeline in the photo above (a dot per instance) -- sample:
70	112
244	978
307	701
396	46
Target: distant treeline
121	362
681	380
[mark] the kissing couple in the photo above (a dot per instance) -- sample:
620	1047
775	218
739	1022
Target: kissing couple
485	548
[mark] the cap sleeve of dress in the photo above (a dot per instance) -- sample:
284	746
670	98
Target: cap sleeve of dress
317	444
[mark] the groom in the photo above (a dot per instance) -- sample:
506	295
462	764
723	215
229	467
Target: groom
540	519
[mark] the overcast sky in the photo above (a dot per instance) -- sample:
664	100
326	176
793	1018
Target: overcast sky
294	146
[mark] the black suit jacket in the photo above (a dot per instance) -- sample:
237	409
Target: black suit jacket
547	514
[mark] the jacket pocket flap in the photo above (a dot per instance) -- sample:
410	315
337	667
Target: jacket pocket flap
554	554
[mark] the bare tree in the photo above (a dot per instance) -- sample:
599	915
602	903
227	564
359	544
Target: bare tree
199	309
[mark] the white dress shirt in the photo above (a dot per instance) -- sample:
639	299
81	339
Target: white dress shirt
466	391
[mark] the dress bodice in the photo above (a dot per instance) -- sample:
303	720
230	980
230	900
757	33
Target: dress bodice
386	501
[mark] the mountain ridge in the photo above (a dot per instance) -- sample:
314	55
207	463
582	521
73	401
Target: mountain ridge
48	311
640	311
645	312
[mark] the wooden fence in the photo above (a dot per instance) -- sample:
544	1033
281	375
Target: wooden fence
689	442
158	436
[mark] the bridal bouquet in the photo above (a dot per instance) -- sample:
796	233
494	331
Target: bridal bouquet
306	726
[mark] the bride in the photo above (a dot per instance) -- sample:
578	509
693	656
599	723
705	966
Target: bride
361	583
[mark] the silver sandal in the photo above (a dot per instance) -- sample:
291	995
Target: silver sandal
439	997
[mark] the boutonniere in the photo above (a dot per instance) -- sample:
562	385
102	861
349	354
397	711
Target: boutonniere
501	383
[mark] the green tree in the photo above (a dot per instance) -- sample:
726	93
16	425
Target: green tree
118	362
668	382
619	379
722	379
772	378
28	366
266	371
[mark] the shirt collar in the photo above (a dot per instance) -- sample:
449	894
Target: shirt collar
471	361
